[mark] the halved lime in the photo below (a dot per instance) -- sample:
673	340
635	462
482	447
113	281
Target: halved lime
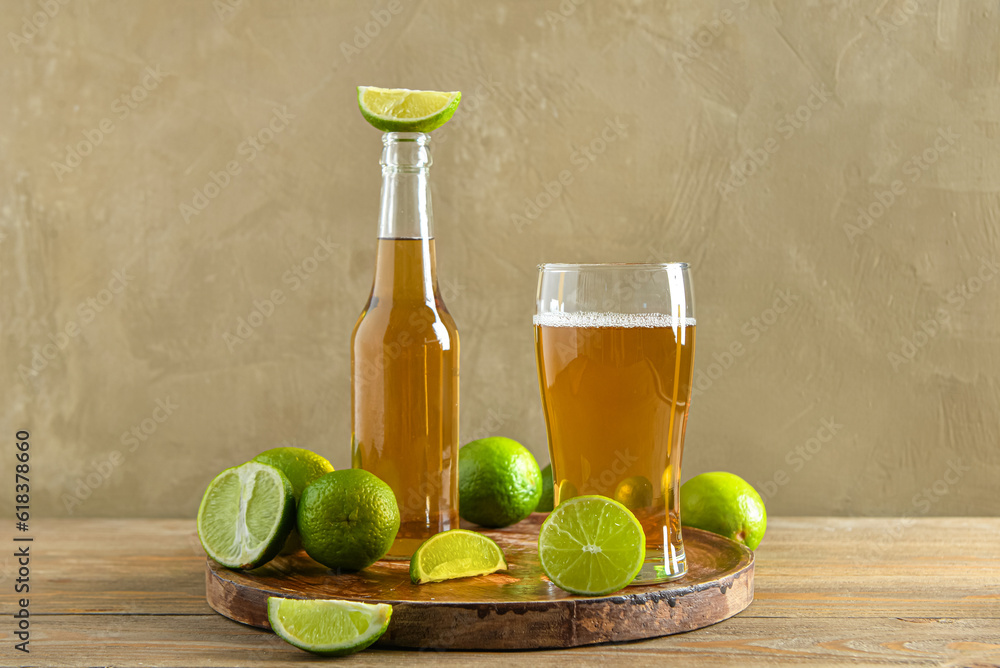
246	515
326	627
591	545
403	110
455	554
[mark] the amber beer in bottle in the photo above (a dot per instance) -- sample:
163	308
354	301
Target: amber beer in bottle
404	357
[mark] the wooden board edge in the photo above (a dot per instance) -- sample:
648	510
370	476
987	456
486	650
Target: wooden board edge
572	623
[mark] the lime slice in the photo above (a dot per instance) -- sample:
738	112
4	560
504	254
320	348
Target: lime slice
246	515
330	628
455	554
402	110
591	545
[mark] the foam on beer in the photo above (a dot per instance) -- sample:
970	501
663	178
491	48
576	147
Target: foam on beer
624	320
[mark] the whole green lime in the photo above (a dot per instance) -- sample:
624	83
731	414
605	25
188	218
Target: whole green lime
299	465
545	504
725	504
348	519
498	482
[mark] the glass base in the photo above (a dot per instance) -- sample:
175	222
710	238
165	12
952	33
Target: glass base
658	568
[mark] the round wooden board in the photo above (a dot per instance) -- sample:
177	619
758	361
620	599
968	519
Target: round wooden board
517	609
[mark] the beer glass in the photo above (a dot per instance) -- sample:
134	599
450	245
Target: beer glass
614	345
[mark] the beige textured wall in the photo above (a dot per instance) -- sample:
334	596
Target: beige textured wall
742	136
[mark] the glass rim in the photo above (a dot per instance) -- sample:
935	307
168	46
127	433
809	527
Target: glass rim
565	266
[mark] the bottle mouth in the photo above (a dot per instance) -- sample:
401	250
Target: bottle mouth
405	152
420	138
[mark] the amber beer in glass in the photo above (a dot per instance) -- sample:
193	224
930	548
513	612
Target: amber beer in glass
404	357
615	352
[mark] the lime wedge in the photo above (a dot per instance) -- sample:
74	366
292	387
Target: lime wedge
402	110
330	628
246	515
455	554
591	545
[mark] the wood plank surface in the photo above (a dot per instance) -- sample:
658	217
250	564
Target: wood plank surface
213	640
855	591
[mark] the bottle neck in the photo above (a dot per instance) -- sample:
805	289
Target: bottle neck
406	211
405	265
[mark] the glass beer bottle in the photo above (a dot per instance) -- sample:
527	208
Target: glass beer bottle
404	357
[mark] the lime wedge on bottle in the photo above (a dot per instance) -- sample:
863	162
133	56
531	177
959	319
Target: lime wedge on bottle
402	110
455	554
246	515
591	545
329	628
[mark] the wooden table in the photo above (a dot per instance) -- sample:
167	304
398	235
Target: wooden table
829	592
